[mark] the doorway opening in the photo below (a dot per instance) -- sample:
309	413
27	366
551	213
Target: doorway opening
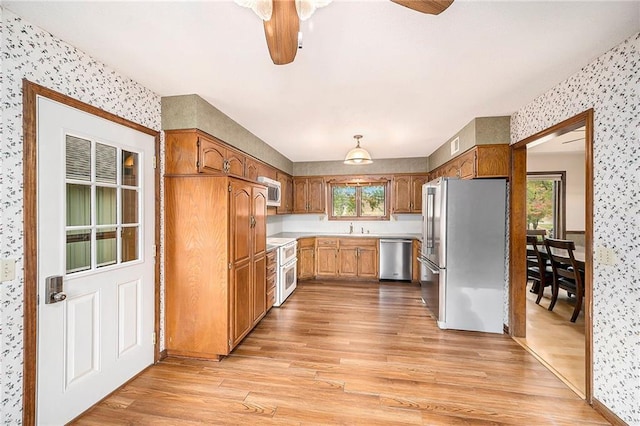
552	197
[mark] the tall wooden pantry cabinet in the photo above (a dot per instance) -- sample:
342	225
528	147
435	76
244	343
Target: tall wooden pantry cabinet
215	263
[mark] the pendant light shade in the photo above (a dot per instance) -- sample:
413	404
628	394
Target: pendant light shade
358	155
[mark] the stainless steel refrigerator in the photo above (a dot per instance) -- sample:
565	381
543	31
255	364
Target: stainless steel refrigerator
463	252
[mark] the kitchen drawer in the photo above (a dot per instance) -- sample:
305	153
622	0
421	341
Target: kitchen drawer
327	242
271	256
271	298
359	242
306	242
271	281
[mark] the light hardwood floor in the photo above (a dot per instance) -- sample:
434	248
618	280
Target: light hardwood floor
351	353
556	340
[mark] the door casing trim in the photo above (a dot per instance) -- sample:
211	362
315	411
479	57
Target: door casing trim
30	93
517	232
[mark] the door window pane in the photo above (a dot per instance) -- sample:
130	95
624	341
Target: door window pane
106	163
78	205
106	247
78	250
129	206
78	158
129	168
372	200
106	206
129	243
344	200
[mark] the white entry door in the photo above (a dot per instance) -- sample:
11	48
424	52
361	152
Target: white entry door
96	232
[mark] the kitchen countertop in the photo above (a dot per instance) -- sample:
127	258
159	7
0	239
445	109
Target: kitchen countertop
346	235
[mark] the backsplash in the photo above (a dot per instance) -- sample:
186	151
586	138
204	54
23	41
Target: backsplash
28	52
610	85
401	224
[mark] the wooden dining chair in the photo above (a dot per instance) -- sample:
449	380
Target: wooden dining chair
567	274
538	270
540	234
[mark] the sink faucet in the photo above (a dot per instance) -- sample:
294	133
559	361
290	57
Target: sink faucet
362	230
351	228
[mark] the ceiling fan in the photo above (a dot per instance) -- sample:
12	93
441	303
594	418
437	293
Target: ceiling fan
282	20
581	138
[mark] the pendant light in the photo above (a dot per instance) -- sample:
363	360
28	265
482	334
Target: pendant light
358	155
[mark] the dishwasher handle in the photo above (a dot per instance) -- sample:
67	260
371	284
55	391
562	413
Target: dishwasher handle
395	241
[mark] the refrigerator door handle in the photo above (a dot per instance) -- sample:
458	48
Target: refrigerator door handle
431	197
427	265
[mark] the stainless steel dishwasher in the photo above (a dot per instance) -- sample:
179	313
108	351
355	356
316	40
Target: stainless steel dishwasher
395	259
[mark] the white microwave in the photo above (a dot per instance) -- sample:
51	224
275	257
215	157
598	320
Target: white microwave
274	191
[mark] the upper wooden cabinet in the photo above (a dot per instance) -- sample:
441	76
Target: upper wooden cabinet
252	169
192	151
481	161
407	193
286	188
309	194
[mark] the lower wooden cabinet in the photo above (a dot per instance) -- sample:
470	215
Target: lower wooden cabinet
326	257
272	270
358	258
306	258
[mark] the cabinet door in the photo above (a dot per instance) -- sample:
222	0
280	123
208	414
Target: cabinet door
211	156
316	195
259	296
252	170
451	170
467	164
300	195
306	264
241	306
286	199
416	193
348	261
367	262
327	262
401	194
235	163
240	214
259	222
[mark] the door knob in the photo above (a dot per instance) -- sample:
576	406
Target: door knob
59	297
54	291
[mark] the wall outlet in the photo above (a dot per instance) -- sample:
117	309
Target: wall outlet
7	270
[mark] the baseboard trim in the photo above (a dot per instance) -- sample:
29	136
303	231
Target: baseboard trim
163	355
609	415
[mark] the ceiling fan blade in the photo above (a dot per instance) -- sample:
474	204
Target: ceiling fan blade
573	140
432	7
281	32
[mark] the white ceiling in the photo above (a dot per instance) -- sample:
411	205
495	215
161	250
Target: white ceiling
405	80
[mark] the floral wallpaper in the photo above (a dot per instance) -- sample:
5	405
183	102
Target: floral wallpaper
28	52
611	86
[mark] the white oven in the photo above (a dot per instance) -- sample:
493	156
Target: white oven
287	274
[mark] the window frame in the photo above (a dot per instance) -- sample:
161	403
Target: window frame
358	183
559	198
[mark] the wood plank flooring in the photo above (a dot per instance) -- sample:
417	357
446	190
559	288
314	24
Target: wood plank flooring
555	339
351	353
